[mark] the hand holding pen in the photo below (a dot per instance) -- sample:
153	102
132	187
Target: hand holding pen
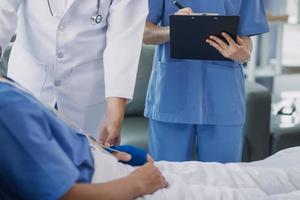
182	9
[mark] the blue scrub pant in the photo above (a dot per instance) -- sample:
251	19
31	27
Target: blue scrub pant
180	142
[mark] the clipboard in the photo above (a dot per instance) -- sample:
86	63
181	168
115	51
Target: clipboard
188	35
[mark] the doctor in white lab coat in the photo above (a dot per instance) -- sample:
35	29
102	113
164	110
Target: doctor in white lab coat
65	58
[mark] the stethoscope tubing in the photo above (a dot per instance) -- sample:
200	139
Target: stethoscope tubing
95	17
50	8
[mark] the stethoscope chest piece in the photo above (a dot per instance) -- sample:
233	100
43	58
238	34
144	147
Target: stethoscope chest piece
97	18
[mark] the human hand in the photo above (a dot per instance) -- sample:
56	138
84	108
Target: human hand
111	128
122	156
148	179
184	11
125	157
238	51
138	156
110	133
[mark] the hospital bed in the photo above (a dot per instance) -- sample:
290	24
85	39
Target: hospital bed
275	178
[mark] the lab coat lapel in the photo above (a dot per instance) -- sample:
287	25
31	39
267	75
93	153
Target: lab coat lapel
68	6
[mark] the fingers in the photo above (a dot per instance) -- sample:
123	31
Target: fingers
150	178
106	138
184	11
110	140
228	39
240	41
159	177
109	135
164	182
118	139
103	135
237	51
219	41
228	50
122	156
215	45
113	137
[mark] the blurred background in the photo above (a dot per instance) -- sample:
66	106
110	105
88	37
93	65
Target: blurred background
276	59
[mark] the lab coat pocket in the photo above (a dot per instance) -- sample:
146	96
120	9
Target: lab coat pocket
27	70
172	87
222	90
87	83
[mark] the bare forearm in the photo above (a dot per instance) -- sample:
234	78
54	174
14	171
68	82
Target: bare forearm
116	106
156	35
111	127
124	188
144	180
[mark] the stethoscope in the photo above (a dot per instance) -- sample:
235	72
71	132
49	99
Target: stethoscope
96	18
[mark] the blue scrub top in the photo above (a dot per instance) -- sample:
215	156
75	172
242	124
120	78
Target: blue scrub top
200	92
40	157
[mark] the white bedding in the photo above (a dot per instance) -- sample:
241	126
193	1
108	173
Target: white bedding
275	178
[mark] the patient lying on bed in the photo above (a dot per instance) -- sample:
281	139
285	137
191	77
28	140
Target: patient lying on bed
42	158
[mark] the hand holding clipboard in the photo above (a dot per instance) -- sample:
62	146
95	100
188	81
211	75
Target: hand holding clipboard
229	46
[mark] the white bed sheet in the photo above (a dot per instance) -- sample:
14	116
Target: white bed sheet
275	178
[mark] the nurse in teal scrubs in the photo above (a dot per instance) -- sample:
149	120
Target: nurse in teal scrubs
199	106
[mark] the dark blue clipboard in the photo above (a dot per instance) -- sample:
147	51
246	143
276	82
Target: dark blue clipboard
189	33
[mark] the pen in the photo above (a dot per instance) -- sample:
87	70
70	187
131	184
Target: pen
95	142
110	149
178	5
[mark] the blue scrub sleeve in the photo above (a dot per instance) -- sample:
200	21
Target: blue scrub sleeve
253	19
32	164
155	11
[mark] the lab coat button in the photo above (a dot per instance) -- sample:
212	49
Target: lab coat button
60	55
61	27
57	83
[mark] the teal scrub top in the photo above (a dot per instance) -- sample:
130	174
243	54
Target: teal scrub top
200	92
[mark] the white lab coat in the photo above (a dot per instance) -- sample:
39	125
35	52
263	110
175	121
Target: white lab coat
71	61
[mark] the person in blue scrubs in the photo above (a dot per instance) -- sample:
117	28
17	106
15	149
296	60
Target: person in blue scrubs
199	105
42	158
